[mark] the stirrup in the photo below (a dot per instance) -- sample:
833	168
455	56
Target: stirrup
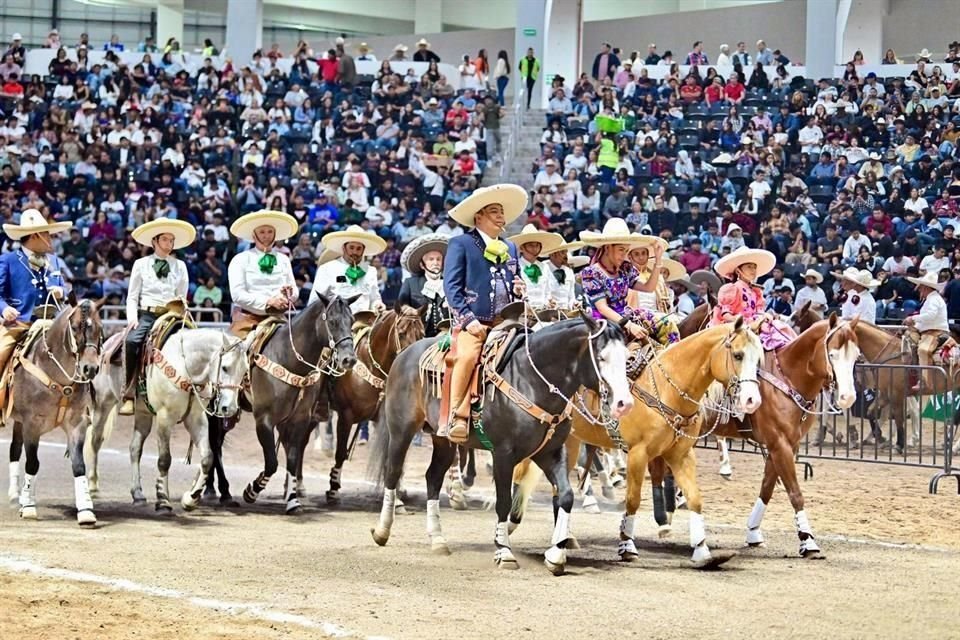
458	436
127	407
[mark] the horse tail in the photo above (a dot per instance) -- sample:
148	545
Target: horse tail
526	480
378	453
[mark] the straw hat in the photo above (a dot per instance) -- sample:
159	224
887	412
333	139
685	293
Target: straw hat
569	247
810	273
284	224
727	265
419	247
183	232
422	42
549	242
929	280
327	256
703	275
513	198
846	274
363	47
32	221
924	53
372	243
401	47
863	278
615	231
675	270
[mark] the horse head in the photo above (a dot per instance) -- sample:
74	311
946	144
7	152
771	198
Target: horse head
804	317
734	363
409	325
841	350
234	366
82	337
608	354
335	323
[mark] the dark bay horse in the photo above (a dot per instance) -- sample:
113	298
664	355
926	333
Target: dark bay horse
525	415
52	389
314	344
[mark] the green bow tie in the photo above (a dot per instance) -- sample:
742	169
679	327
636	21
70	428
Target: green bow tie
497	252
533	272
161	268
355	274
267	262
560	275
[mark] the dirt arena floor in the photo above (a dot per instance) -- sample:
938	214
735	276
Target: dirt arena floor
892	557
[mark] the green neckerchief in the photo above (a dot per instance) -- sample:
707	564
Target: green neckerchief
497	252
355	274
533	272
267	262
560	275
161	267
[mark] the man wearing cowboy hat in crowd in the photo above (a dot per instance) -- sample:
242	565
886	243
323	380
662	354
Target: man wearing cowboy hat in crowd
480	278
930	322
28	280
155	281
399	53
812	292
349	274
561	281
423	260
859	301
365	55
700	285
261	278
532	243
424	54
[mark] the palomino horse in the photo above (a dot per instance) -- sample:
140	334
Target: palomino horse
52	387
667	421
196	371
358	394
314	344
525	414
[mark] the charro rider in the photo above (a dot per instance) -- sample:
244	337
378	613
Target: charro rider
27	280
155	281
423	260
532	243
261	278
480	278
349	274
561	281
930	323
858	301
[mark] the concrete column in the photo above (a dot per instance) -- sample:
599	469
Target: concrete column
244	30
529	34
428	16
563	43
862	30
821	38
170	22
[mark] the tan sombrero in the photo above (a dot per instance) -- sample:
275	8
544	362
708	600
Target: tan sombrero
32	221
422	42
929	279
811	273
549	242
706	276
372	243
863	278
183	232
401	47
569	247
283	223
419	247
675	270
728	264
513	198
615	231
363	47
849	271
327	256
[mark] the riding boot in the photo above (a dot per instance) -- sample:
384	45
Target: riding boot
468	354
132	366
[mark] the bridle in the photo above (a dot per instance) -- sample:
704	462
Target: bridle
71	344
326	365
218	385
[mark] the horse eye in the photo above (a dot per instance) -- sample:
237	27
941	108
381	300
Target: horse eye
738	357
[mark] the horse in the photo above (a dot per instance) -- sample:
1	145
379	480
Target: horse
358	394
195	369
667	422
286	382
53	390
525	414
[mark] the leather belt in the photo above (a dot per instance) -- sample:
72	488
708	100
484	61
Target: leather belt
157	311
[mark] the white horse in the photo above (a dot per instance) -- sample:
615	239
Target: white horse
197	368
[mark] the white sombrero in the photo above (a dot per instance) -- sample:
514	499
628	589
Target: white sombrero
32	221
810	273
569	247
372	243
327	256
675	270
615	231
401	47
728	264
183	232
862	277
284	224
549	242
422	42
419	247
513	198
929	279
708	277
842	275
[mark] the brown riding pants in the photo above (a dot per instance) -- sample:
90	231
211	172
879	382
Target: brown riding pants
468	354
925	352
10	335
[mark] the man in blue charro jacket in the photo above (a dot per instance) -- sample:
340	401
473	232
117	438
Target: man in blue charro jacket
479	279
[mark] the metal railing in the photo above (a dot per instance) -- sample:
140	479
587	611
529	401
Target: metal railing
510	148
215	314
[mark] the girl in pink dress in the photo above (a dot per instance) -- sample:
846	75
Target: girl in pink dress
741	297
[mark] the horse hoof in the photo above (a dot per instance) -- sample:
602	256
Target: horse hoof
713	560
293	511
627	550
400	509
333	498
664	531
509	564
28	513
439	548
163	507
555	569
757	545
209	493
86	518
608	493
458	504
573	544
226	500
249	495
189	504
139	502
629	556
380	536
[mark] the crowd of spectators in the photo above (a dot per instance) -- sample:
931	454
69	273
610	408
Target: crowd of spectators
827	173
110	145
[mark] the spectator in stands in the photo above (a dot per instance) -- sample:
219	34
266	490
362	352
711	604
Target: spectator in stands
17	51
696	55
423	52
529	71
723	58
764	54
114	44
605	63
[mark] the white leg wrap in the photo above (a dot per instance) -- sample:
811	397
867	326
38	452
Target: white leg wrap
501	535
590	504
433	518
561	530
756	516
386	510
81	490
28	494
627	526
556	556
697	532
803	524
14	488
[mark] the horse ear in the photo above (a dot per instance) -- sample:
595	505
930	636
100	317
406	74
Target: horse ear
855	321
422	311
72	298
351	299
738	324
833	319
806	307
98	304
588	320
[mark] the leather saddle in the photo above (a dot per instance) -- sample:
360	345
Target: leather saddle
22	348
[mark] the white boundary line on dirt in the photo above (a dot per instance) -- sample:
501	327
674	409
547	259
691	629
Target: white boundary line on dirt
12	564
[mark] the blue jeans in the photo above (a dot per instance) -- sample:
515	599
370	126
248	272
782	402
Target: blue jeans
502	89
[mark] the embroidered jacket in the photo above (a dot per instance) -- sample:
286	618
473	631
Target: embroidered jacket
22	286
471	281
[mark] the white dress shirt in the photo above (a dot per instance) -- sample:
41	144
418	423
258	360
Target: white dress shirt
815	295
537	292
332	280
685	305
250	288
865	306
148	290
563	295
933	314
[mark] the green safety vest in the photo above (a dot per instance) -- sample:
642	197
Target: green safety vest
608	156
525	68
